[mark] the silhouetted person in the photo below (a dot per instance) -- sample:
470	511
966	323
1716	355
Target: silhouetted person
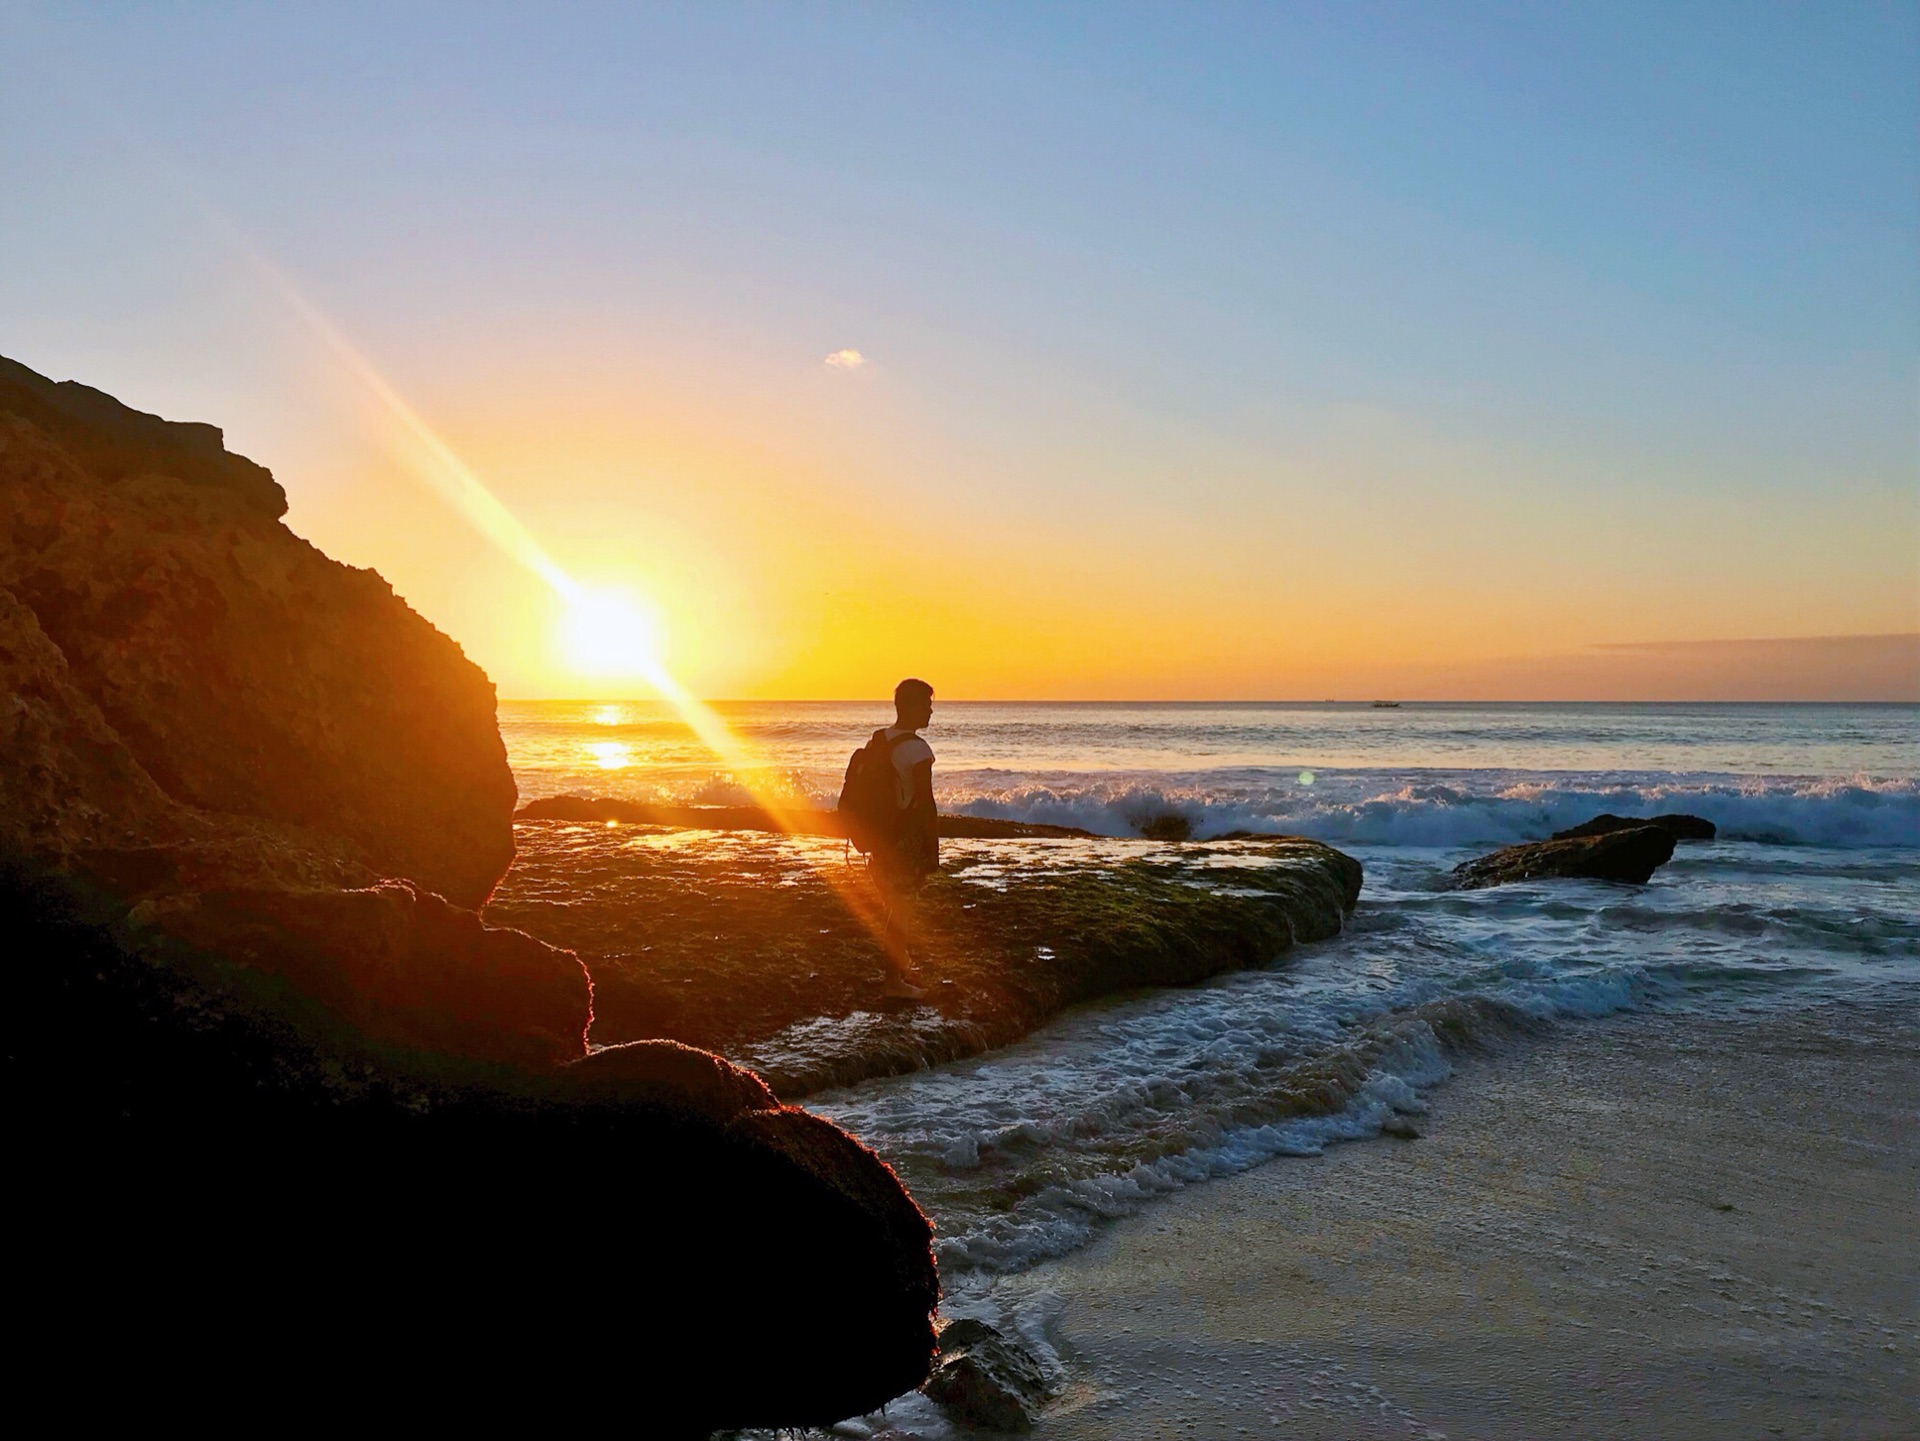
889	809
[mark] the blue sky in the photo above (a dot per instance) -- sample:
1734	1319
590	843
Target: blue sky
1159	289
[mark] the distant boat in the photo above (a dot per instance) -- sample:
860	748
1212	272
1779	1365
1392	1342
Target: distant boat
1386	705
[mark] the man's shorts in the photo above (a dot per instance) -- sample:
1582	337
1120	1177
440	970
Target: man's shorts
894	871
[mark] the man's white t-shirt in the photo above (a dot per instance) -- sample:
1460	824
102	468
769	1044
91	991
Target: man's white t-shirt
907	754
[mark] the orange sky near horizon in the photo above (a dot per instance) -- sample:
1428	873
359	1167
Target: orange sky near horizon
1378	561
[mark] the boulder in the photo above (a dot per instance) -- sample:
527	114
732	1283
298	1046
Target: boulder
215	1167
984	1380
246	673
1629	855
262	748
1680	827
666	1073
403	965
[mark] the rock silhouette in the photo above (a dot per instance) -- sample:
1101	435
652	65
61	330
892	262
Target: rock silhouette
1680	827
1627	855
246	673
403	965
221	1166
295	1126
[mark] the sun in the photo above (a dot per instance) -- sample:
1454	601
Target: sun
614	635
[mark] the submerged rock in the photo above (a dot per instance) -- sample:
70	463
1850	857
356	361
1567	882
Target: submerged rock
1627	855
1680	827
984	1380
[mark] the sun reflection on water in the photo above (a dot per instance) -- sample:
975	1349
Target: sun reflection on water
610	755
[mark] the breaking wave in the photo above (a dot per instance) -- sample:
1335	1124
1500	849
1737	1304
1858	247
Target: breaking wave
1447	809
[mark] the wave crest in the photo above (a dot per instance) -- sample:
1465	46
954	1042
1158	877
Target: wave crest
1398	810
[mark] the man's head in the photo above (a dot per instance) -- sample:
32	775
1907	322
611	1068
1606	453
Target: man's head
912	704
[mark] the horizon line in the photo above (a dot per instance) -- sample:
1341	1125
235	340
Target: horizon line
1368	702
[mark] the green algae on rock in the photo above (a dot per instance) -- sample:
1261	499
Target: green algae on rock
740	942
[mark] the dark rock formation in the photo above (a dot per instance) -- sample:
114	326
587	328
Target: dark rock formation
402	965
1629	855
667	1073
115	442
207	716
246	673
1165	826
984	1380
1680	827
215	1166
290	1127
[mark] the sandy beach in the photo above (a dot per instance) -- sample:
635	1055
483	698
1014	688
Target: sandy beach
1628	1228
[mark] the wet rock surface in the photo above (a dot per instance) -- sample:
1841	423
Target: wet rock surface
1631	855
754	945
984	1379
1680	827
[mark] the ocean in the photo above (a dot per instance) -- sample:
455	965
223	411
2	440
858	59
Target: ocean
1810	894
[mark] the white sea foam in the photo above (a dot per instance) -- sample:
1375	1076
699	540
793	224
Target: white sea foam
1450	809
1021	1154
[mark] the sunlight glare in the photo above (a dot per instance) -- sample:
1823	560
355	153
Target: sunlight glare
611	755
614	635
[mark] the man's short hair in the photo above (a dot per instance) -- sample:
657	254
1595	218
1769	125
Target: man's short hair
912	692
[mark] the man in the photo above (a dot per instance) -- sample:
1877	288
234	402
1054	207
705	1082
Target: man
913	853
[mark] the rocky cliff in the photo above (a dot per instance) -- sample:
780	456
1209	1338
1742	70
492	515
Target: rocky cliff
245	673
296	1127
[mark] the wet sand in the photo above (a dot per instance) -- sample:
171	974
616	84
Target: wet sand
1645	1227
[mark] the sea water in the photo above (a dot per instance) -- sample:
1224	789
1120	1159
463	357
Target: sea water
1809	895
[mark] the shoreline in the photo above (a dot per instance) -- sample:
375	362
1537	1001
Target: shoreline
1647	1226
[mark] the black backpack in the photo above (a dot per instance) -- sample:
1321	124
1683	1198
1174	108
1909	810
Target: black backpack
870	796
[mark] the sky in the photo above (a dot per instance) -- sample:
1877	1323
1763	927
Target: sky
1278	351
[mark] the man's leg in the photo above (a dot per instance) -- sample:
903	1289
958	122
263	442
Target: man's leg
897	932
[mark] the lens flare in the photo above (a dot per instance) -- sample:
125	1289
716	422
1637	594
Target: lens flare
609	634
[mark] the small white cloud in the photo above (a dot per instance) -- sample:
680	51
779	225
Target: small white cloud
846	360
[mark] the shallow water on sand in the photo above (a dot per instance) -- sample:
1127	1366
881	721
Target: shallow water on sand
1021	1153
